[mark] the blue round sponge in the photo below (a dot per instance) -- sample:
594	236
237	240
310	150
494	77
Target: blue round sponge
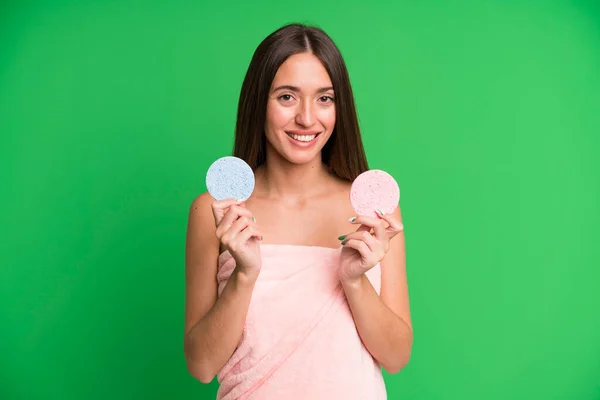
230	178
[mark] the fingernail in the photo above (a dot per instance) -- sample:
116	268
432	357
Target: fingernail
254	219
262	238
342	237
344	242
380	212
352	219
239	200
401	227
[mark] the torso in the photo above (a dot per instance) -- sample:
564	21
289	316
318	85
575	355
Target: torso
310	303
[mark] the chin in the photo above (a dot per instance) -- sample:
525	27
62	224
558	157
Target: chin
302	159
303	153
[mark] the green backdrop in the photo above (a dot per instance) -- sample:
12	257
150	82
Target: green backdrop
486	112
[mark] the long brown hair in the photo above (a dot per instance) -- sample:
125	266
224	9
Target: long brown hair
344	153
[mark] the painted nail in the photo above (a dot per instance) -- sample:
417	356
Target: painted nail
262	238
254	219
380	212
342	237
344	242
352	219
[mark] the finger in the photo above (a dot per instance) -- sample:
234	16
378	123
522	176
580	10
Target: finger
395	225
228	236
234	213
361	228
241	231
365	236
364	228
219	207
369	256
246	234
359	246
223	204
251	227
380	232
245	223
365	220
375	245
227	202
368	223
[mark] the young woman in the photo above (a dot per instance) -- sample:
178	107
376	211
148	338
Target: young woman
288	294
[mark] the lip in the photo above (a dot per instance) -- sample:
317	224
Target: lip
304	132
300	144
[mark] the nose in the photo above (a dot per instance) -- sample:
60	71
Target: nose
305	115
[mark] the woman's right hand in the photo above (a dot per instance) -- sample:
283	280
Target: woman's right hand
238	233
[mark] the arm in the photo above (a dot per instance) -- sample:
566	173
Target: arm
383	322
213	325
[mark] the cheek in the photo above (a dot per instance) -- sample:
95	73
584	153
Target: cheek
328	118
278	116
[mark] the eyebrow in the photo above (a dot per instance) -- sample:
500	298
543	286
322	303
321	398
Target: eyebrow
297	89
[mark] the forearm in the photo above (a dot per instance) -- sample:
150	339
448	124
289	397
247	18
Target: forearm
385	335
212	341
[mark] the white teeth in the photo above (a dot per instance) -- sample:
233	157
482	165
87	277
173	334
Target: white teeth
303	138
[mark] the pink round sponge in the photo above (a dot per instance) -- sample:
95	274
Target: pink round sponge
372	190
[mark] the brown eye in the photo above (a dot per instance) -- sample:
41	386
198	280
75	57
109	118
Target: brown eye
285	97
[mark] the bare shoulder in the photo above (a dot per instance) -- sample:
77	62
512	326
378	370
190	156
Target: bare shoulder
201	226
202	203
201	257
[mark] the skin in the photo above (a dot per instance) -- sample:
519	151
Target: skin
295	201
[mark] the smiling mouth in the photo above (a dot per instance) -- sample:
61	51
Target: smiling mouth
303	138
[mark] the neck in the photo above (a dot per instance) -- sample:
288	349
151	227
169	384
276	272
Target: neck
283	180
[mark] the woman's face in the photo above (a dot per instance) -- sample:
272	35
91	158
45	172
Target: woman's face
300	109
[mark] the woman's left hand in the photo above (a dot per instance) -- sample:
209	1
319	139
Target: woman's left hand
363	249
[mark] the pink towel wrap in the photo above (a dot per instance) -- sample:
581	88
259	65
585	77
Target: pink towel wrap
299	339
